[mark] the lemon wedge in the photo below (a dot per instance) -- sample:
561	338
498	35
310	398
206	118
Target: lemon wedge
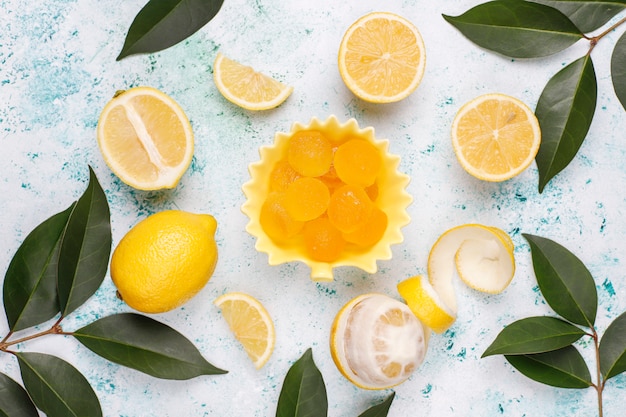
250	323
247	88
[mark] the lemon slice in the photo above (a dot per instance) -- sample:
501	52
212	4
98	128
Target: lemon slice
376	342
382	57
426	304
482	255
247	88
250	323
145	138
495	137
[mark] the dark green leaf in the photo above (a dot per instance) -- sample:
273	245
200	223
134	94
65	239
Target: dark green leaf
14	401
303	393
144	344
534	335
56	387
85	248
164	23
563	368
613	348
516	28
30	284
565	110
380	410
587	15
564	281
618	69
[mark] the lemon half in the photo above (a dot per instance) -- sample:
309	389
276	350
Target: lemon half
145	138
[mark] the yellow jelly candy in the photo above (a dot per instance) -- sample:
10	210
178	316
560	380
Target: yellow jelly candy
310	153
306	198
275	220
371	231
323	242
349	208
282	175
357	162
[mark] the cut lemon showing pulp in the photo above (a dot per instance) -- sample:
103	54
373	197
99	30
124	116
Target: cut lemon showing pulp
425	303
482	256
247	88
250	323
376	342
145	138
382	57
495	137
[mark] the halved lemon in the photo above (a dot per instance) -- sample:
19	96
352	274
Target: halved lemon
426	304
482	255
250	323
247	88
376	342
145	138
495	137
382	57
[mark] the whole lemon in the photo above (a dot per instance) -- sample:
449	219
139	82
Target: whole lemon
164	260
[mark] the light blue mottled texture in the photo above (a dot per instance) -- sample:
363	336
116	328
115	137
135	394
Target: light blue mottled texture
57	71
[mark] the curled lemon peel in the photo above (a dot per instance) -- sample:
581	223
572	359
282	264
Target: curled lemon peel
482	257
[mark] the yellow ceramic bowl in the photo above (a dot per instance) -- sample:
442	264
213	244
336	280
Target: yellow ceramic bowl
392	199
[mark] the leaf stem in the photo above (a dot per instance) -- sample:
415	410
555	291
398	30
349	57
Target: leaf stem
54	329
595	39
599	382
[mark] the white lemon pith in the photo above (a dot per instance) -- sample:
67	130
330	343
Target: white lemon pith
145	138
376	341
481	255
250	323
164	260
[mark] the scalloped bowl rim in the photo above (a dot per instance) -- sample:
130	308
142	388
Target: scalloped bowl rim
393	199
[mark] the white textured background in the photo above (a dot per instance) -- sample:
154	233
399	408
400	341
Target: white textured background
57	71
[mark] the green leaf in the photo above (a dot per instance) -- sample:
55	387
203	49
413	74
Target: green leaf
618	69
613	348
534	335
563	368
14	400
587	15
30	284
517	29
164	23
85	248
565	110
303	393
144	344
56	387
380	410
564	281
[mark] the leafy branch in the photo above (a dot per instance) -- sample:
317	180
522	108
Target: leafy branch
58	267
542	348
533	29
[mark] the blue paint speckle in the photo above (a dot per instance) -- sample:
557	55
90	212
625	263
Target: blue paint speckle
608	287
